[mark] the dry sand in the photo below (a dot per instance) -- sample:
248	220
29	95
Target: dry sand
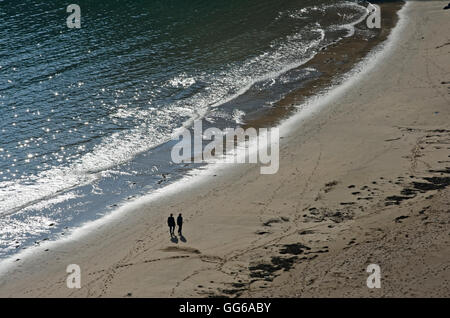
365	180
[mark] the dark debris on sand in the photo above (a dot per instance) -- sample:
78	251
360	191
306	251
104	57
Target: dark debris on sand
294	249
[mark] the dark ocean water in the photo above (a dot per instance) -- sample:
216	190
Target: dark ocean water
87	115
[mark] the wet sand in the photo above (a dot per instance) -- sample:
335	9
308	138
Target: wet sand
363	180
332	62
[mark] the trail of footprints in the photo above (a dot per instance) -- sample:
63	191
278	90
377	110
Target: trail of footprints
382	192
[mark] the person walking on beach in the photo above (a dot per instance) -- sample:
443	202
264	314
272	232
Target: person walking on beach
171	224
180	223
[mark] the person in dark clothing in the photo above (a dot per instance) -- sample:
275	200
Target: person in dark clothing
171	224
180	223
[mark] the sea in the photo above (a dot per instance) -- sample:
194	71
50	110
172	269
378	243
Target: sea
88	115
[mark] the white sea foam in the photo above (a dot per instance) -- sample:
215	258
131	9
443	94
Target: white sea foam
182	80
199	176
157	126
238	116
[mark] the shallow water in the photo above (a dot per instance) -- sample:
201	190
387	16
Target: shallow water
87	114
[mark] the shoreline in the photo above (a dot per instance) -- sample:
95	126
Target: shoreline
336	66
333	62
134	255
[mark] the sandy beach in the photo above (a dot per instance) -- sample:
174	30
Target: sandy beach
364	179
